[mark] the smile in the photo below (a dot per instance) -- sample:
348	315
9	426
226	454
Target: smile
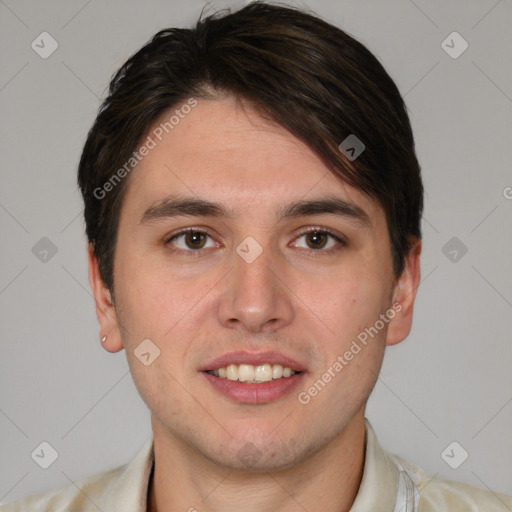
251	374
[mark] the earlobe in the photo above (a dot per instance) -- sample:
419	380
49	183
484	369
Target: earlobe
105	308
404	295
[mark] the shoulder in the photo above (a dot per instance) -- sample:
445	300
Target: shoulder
121	489
442	494
85	495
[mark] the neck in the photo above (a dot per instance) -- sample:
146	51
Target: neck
328	480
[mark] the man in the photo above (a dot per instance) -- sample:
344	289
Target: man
253	205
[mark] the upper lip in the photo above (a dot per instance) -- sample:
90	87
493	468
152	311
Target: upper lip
253	358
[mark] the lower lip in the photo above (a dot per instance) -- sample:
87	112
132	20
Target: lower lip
261	393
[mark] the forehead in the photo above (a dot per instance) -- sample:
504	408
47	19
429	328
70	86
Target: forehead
225	151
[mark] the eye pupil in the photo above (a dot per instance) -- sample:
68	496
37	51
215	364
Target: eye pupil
315	236
195	238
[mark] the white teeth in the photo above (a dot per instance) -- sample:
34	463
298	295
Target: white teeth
245	372
263	373
253	374
232	372
277	371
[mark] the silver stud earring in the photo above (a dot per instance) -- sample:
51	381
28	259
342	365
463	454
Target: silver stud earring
103	339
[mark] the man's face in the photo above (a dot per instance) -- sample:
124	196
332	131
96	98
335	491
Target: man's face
201	296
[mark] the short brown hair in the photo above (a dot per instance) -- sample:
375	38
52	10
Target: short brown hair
309	76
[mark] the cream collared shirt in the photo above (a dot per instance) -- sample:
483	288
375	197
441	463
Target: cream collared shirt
389	484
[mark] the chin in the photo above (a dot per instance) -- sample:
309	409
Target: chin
252	460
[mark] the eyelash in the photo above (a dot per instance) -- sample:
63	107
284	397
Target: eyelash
314	229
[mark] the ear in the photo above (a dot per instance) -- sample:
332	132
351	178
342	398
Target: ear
404	295
105	309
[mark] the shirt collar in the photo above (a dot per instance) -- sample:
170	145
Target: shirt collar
377	491
129	492
379	485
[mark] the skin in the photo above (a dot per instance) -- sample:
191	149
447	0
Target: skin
301	300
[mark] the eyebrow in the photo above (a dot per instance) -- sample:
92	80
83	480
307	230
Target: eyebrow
177	206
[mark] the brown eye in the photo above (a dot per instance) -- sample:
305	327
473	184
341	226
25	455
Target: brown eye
318	239
189	240
195	239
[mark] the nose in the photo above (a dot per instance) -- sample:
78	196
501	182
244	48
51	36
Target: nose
256	297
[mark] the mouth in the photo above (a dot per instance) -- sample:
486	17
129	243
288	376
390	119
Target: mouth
251	374
254	378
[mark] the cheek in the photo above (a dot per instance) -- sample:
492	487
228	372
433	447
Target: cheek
149	295
347	303
353	349
170	310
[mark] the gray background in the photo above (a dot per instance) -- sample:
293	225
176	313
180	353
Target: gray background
449	381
